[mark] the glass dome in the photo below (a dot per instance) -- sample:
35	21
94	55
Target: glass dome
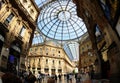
58	20
38	38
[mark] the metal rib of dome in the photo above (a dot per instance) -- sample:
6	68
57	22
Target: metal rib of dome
58	20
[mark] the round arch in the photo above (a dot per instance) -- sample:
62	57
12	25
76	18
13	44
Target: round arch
14	57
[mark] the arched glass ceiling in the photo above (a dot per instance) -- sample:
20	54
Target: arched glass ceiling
38	38
58	20
72	50
41	3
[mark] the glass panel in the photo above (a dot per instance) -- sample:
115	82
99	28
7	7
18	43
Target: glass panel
40	3
58	19
22	31
9	18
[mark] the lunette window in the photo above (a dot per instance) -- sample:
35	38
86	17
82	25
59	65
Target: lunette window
22	31
9	18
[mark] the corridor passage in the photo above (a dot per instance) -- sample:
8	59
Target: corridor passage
63	80
73	80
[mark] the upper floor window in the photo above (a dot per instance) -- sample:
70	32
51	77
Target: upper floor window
33	62
39	61
1	3
47	49
82	48
46	61
25	1
58	51
88	47
30	49
31	11
53	61
9	18
22	31
40	49
59	62
36	49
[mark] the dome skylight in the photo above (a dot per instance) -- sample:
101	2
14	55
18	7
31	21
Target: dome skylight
58	20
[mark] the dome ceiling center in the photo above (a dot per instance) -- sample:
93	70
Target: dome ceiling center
58	20
64	15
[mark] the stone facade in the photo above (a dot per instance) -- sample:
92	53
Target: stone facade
49	58
16	33
92	14
87	56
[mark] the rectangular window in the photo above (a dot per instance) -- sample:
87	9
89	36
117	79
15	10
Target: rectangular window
46	53
30	49
9	18
59	70
36	49
40	49
46	61
82	49
22	31
59	62
53	61
58	51
47	49
1	3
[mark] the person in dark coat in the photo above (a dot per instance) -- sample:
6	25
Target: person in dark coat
51	80
31	78
10	78
56	78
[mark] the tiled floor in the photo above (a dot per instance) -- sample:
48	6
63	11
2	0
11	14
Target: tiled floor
74	81
64	80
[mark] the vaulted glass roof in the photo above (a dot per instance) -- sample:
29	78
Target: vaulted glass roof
38	38
72	50
41	3
58	20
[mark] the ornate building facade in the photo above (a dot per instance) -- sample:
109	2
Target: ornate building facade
49	58
104	15
87	56
17	26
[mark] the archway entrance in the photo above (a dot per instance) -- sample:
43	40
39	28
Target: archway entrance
14	58
52	71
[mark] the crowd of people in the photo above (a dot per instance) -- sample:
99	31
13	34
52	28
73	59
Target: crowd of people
10	78
29	77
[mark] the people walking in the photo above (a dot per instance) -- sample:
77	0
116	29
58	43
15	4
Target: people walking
78	78
31	78
39	77
51	80
10	78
